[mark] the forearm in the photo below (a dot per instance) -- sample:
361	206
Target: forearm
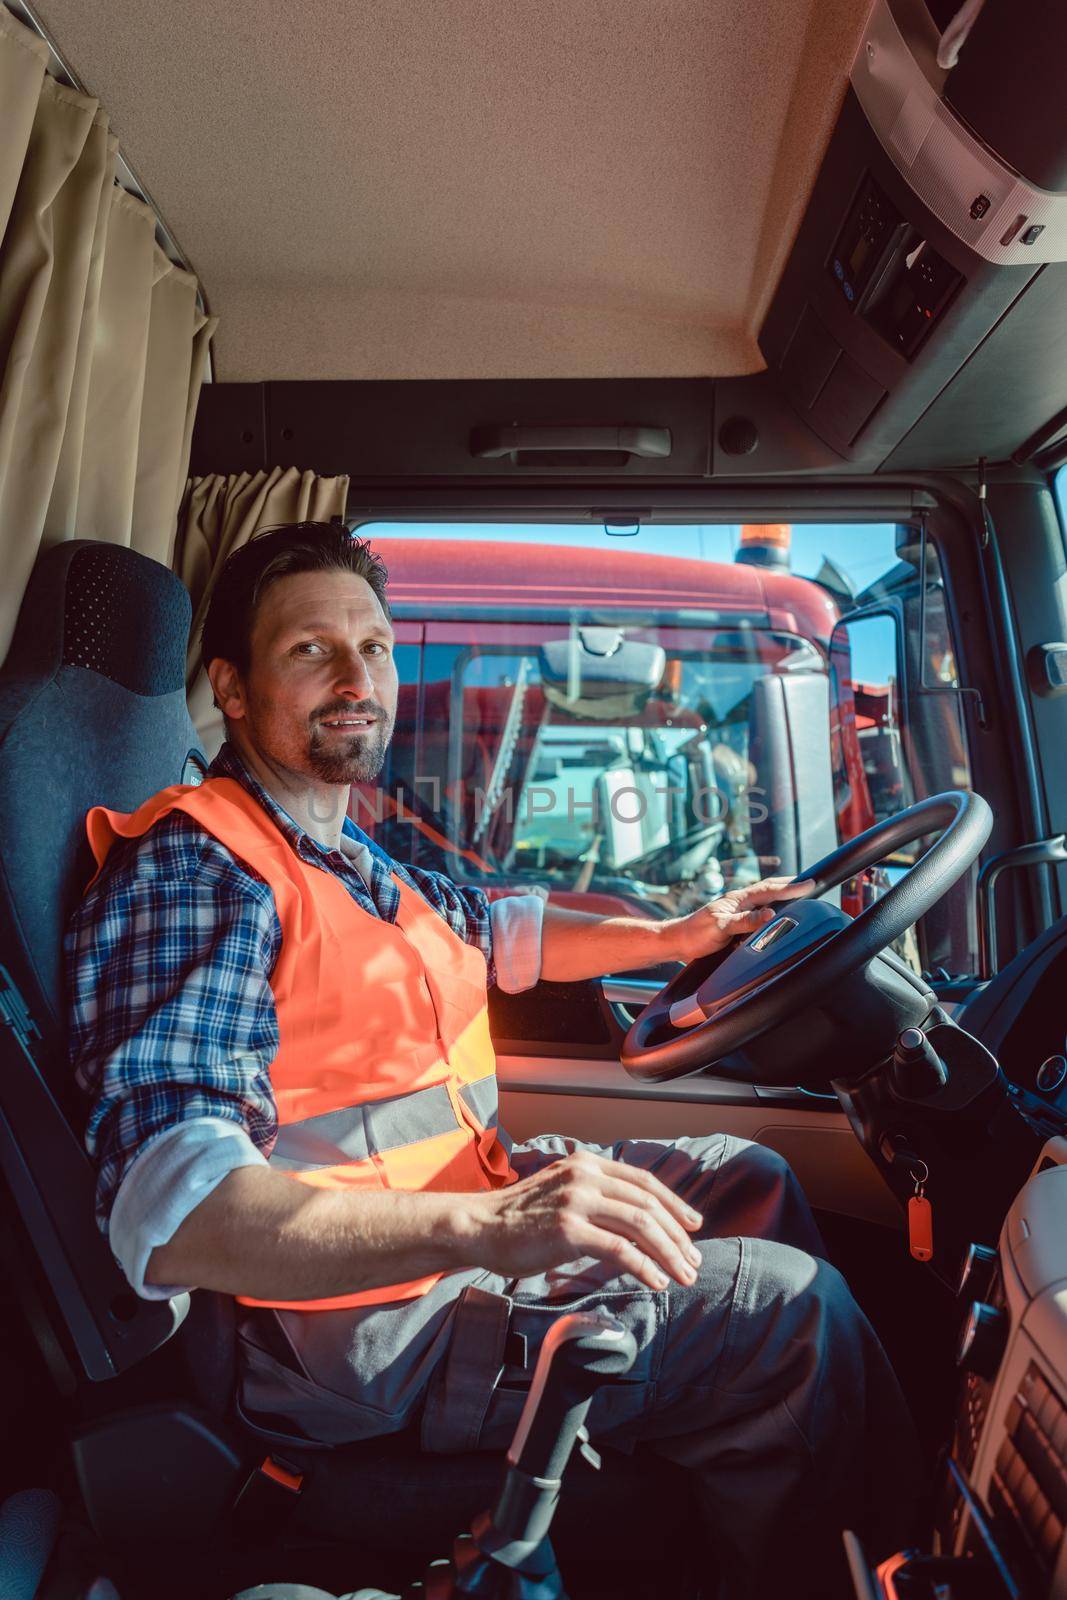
269	1237
577	945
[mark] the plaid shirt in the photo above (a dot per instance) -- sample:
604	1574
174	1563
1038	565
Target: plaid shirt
169	958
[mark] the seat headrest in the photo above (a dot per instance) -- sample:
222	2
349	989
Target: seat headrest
104	608
92	712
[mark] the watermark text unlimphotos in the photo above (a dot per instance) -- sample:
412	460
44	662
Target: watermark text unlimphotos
620	802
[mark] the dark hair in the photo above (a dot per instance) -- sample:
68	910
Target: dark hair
279	553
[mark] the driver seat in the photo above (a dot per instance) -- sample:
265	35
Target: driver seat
93	711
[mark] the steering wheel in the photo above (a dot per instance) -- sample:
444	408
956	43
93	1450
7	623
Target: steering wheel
716	1005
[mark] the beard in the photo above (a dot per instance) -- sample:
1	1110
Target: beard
352	758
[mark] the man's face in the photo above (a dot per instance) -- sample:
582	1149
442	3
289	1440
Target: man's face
319	697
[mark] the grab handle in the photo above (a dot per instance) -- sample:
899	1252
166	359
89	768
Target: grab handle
492	443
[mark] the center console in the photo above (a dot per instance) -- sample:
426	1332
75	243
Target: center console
1003	1508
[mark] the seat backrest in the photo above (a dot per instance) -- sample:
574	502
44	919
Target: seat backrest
92	712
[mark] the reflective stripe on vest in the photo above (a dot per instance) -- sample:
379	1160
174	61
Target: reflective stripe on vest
384	1076
356	1133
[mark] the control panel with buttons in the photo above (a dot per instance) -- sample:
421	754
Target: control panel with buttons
888	273
907	311
870	230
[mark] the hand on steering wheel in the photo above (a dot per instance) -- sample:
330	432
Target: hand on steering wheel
734	914
703	1015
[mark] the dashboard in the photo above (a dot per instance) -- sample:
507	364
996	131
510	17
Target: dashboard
1000	1526
1012	1422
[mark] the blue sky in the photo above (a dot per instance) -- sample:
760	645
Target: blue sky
863	550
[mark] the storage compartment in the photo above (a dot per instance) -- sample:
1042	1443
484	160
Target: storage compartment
610	428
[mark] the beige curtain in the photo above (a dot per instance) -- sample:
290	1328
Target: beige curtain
102	344
220	514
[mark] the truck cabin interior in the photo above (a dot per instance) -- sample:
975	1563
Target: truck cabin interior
699	371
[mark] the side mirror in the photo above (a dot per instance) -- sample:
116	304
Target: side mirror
870	779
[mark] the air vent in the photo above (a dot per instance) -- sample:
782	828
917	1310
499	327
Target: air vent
974	1407
1028	1492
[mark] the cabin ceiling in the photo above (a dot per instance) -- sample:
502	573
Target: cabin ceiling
461	189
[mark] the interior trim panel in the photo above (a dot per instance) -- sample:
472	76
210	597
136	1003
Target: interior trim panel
595	1101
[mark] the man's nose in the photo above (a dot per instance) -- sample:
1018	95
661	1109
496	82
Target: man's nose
354	676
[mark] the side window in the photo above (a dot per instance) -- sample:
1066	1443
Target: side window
897	735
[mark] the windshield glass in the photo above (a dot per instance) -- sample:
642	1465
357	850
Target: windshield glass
625	760
845	557
640	723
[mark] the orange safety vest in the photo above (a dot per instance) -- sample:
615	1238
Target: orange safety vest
385	1073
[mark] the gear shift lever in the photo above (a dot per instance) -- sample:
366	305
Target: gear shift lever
507	1555
507	1552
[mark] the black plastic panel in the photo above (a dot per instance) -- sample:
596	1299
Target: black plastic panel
1009	87
437	429
787	444
809	359
846	402
570	1018
422	432
879	395
230	434
1007	390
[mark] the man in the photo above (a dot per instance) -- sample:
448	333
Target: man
284	1038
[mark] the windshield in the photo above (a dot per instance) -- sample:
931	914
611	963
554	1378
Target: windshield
622	759
640	723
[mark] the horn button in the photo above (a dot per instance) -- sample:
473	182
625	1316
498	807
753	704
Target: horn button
822	999
792	935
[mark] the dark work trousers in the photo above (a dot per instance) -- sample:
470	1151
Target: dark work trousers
763	1378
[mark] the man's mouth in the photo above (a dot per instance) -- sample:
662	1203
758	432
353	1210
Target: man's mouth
348	723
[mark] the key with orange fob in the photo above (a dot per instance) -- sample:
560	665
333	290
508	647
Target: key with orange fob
920	1218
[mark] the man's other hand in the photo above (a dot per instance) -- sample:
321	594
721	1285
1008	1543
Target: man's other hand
585	1205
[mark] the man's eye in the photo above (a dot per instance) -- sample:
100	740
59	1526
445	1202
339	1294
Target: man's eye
378	649
308	647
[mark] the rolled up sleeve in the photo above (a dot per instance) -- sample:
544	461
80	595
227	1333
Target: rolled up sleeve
517	921
163	1184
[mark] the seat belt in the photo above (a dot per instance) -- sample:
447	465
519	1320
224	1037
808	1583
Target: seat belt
269	1496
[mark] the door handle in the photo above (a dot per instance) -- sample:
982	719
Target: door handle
629	991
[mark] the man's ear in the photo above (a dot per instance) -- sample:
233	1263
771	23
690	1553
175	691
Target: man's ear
227	688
